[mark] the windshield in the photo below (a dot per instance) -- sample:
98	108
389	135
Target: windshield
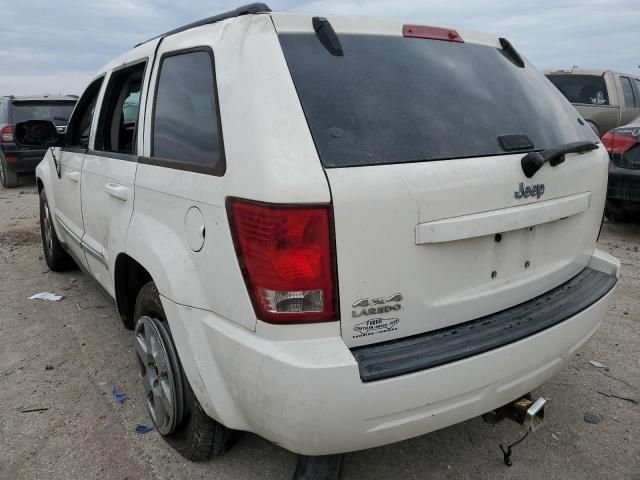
588	89
56	112
395	99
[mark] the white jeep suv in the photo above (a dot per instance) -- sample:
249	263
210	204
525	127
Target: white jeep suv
334	232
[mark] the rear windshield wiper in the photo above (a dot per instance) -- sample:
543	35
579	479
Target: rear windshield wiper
533	161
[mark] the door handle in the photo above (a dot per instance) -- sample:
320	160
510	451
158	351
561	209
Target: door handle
117	191
73	176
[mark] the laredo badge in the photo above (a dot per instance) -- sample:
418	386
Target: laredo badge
375	325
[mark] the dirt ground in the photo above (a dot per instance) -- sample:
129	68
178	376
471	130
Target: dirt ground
65	357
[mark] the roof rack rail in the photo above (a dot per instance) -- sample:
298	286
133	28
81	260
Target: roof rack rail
237	12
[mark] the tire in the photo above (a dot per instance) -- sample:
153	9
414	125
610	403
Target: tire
57	259
190	431
618	212
8	177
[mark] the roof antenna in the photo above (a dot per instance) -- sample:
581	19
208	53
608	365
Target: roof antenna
327	36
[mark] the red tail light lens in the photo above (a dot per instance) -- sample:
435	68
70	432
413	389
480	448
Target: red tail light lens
616	142
286	255
6	134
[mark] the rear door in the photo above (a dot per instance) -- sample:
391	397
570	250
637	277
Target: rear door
421	140
109	170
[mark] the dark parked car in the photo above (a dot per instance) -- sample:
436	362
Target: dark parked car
623	193
16	160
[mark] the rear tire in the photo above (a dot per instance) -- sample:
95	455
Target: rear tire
184	425
618	212
8	177
57	258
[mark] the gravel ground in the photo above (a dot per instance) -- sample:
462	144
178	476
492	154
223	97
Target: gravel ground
66	357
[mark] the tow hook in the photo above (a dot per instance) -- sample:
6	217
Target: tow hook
524	411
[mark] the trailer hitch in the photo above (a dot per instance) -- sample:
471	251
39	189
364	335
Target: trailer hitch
523	411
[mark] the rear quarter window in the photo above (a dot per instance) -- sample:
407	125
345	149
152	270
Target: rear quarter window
394	99
186	124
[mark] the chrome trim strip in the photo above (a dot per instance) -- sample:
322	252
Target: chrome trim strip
66	228
85	247
94	253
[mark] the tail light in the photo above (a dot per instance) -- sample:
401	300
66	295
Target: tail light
616	142
6	134
287	258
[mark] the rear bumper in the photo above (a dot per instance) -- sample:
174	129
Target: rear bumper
307	395
624	184
25	161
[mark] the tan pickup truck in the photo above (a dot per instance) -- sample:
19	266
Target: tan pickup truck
606	99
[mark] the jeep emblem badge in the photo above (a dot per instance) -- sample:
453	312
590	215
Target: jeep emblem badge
529	191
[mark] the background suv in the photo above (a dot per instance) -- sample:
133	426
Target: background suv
605	99
15	160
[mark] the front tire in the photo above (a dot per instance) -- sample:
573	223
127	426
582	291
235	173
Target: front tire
8	177
57	259
173	408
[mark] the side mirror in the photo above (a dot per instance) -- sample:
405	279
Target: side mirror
37	133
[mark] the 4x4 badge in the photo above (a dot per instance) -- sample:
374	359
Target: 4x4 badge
376	306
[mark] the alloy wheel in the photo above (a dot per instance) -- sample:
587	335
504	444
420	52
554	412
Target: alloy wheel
48	228
157	373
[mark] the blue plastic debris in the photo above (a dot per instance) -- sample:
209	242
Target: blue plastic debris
141	428
118	396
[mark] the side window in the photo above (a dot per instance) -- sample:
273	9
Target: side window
79	126
627	92
4	117
637	82
118	125
186	124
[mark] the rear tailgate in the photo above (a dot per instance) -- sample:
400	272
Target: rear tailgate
421	140
436	243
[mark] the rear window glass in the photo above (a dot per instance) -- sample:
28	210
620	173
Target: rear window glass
589	89
395	99
58	112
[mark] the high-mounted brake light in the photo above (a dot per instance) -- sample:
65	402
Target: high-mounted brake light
286	256
433	33
6	134
615	142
